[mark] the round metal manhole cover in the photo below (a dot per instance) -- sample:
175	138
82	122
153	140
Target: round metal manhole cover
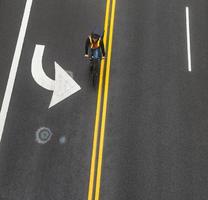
43	135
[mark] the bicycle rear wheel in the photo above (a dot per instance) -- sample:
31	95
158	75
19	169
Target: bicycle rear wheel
95	74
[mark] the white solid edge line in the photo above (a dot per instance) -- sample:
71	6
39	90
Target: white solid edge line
188	39
14	66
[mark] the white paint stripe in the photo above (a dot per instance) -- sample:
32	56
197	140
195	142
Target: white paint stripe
15	63
37	69
188	39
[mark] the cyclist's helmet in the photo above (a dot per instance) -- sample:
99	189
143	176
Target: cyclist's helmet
96	33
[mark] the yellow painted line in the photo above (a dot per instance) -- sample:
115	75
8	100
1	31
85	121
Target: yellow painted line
105	101
97	118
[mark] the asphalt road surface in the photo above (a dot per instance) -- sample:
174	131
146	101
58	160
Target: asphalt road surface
156	136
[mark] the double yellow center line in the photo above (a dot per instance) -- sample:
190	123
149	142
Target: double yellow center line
99	129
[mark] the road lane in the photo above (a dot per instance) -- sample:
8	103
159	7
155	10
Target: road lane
156	141
29	170
199	114
14	65
10	20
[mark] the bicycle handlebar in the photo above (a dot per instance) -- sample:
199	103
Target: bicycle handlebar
92	57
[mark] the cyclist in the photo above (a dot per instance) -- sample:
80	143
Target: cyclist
95	43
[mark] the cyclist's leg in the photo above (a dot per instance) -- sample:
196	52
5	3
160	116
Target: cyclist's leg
96	53
99	53
99	60
91	60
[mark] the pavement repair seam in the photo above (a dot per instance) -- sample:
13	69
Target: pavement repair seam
14	67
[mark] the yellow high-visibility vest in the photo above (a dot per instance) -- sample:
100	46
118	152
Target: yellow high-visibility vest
94	45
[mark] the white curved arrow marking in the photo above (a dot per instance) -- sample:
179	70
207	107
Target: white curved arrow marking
63	86
37	70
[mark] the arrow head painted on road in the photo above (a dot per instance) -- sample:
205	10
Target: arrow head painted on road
65	86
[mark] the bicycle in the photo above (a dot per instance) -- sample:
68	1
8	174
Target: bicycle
94	70
94	65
